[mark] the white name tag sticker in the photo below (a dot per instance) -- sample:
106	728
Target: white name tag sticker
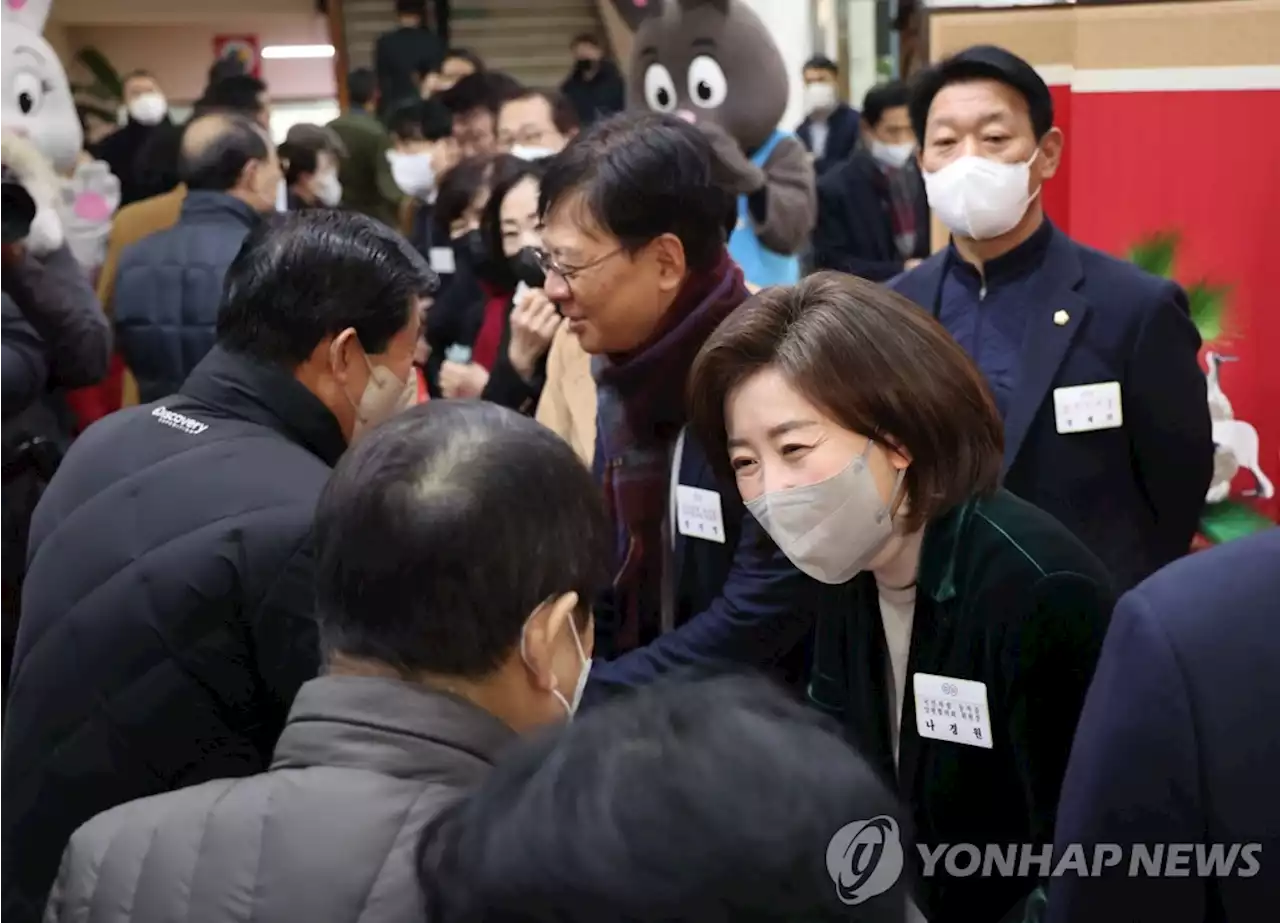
442	261
1086	408
952	709
698	514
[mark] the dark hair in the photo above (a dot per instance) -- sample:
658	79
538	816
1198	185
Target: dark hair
443	529
240	93
564	114
362	86
458	188
411	8
218	163
307	275
481	90
642	175
302	147
226	66
420	120
883	97
465	54
983	62
822	63
508	171
878	365
682	803
587	38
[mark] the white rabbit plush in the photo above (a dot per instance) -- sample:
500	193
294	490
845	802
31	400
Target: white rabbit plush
36	106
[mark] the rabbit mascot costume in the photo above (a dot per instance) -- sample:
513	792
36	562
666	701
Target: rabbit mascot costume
53	333
714	63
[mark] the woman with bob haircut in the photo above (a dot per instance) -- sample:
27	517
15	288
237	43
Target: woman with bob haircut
962	624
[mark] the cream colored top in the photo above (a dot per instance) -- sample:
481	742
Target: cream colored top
897	612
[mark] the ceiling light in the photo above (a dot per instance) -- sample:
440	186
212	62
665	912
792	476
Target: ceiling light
287	52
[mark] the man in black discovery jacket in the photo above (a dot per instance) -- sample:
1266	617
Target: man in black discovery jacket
167	608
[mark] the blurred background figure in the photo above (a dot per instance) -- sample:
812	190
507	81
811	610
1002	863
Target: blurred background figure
685	803
830	127
169	285
474	102
873	215
146	113
365	173
420	522
536	124
404	57
422	152
595	85
457	63
310	157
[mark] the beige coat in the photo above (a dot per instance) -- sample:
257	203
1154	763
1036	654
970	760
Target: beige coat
568	403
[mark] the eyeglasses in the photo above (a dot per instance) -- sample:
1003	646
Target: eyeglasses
548	264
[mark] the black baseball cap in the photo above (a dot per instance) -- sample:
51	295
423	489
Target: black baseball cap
982	62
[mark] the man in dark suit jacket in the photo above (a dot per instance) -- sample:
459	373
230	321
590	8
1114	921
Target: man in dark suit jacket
873	218
1092	361
830	128
1178	743
404	56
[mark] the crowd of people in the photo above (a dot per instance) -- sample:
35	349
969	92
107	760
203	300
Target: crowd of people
485	545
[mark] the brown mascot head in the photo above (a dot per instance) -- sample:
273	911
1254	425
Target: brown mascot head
707	60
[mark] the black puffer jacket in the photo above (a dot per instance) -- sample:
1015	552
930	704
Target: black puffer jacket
167	608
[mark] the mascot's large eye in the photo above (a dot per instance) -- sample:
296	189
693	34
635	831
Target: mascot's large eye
659	89
28	91
707	84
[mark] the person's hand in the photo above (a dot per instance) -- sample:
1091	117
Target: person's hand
534	323
911	264
462	381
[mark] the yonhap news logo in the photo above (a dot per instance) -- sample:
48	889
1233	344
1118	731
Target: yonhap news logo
866	858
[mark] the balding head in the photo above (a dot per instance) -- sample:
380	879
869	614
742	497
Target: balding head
223	152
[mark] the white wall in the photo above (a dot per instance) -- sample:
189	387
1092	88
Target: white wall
790	23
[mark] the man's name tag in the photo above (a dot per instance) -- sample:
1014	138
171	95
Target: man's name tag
698	513
442	261
1086	408
952	709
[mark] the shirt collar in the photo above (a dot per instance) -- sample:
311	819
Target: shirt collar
1022	260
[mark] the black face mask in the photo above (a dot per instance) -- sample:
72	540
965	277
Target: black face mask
525	267
585	65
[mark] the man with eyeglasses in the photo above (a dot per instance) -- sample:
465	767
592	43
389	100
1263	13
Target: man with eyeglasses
634	237
536	124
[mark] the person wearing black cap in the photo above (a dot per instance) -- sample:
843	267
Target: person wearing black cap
1092	361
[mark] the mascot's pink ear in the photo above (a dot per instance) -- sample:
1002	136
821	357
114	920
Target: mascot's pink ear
633	12
29	13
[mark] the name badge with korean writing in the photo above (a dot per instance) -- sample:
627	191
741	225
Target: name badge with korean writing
698	513
952	709
442	261
1087	408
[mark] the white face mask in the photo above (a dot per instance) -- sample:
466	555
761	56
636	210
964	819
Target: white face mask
980	198
833	529
148	108
894	156
384	396
413	173
819	97
570	705
531	154
328	189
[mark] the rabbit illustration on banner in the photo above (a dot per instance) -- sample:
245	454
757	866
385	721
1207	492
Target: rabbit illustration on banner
714	64
76	199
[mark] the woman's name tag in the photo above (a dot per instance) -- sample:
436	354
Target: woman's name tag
952	709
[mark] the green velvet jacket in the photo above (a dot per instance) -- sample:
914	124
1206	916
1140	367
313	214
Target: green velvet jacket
1006	597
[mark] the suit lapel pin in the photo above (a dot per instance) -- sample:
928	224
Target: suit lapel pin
1061	317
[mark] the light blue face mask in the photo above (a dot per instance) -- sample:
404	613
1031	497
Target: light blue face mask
570	705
